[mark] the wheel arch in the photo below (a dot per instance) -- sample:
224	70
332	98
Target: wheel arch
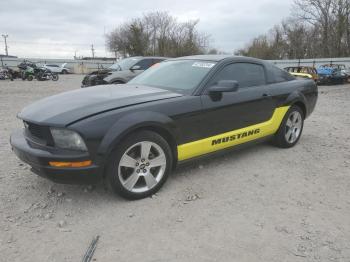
112	79
302	106
298	99
131	123
118	80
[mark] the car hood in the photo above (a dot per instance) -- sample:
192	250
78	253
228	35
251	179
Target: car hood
68	107
100	72
125	74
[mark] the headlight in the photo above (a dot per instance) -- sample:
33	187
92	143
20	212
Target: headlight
67	139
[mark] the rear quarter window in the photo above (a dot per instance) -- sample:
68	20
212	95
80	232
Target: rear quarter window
277	75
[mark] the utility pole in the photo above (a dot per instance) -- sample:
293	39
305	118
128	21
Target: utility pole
6	50
93	51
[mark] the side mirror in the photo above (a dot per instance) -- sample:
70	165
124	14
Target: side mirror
135	67
224	86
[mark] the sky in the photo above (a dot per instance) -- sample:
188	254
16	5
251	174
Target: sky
61	28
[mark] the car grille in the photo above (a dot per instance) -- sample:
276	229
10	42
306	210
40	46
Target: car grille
38	133
35	130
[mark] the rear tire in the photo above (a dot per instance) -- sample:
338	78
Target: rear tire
290	129
30	77
140	165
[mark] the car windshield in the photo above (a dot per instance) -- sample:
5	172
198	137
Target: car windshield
177	75
125	64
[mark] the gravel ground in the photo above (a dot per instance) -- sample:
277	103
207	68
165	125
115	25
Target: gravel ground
256	204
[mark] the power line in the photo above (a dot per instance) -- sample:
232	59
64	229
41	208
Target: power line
6	49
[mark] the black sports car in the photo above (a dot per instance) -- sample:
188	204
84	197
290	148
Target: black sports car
121	72
133	135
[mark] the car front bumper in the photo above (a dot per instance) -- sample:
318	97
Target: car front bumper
38	157
92	81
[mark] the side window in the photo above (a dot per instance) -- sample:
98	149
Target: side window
246	74
145	63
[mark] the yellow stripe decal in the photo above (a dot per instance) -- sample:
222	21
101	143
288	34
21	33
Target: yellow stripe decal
232	138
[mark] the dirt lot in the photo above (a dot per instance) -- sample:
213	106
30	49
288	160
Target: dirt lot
257	204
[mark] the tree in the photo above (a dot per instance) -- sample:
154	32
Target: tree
317	28
157	33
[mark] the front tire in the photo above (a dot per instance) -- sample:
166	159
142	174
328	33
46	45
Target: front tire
54	77
291	128
140	165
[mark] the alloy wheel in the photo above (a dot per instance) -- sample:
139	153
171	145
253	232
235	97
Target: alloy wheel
142	167
293	127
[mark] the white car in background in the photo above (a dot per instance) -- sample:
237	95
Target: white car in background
57	69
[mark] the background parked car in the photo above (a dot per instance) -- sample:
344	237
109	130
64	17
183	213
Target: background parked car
62	69
303	72
329	74
121	72
344	70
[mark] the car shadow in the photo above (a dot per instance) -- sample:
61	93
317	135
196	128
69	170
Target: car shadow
100	193
231	154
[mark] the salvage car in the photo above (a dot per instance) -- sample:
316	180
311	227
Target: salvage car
331	75
303	72
343	69
133	135
121	72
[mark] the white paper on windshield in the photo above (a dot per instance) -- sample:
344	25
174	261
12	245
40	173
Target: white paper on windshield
203	65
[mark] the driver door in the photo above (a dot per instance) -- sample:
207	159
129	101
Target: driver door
250	104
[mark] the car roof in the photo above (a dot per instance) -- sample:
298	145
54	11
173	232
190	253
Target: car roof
152	57
218	58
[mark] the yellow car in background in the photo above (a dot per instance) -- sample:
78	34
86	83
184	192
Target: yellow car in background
303	71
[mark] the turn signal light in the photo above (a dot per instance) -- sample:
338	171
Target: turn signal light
71	164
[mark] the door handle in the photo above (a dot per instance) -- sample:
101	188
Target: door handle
267	95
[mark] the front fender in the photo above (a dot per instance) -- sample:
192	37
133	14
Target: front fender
130	123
